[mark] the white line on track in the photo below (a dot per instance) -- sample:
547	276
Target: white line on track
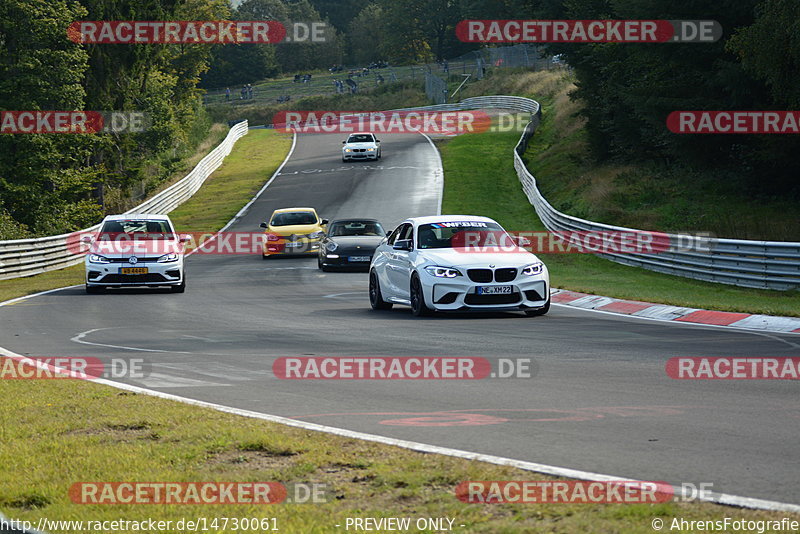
720	498
731	500
79	339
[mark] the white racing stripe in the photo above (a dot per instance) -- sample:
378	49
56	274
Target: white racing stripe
79	339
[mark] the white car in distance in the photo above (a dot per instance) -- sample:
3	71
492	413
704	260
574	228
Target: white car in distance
361	146
457	263
135	250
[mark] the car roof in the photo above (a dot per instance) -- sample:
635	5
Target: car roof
290	210
447	218
138	217
363	133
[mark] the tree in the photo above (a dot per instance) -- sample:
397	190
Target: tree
770	49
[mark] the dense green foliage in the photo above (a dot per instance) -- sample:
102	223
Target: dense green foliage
629	89
58	183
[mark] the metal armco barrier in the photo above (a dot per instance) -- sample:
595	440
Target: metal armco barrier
756	264
26	257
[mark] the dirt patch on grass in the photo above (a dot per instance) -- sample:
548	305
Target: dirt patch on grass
118	432
252	460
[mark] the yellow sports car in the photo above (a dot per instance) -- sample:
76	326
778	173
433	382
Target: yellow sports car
293	231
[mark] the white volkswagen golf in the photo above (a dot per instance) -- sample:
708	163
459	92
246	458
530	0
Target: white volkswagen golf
135	250
454	263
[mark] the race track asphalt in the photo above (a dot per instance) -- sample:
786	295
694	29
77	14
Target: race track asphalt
600	401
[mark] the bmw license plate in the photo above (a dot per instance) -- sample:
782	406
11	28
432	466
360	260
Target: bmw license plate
133	270
359	258
494	290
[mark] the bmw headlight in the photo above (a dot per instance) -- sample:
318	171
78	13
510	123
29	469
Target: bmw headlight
332	246
316	235
442	272
347	150
166	258
533	269
370	150
96	258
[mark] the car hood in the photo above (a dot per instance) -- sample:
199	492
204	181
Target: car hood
364	241
293	229
454	258
137	247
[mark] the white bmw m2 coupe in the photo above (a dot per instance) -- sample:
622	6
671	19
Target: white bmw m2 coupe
457	263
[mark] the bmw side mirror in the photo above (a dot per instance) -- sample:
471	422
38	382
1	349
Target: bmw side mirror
388	233
402	244
264	225
86	239
377	140
344	142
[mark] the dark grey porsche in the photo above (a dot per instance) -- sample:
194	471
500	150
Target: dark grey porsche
350	243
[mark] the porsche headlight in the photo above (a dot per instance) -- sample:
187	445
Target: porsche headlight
332	246
96	258
167	258
533	269
443	272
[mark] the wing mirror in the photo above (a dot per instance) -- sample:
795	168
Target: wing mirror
402	244
185	238
264	225
86	239
324	222
344	142
521	241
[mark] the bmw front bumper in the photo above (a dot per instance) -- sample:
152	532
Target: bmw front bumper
461	293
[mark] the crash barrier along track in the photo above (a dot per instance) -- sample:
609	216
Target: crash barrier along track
756	264
26	257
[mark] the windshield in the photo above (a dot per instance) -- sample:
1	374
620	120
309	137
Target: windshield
459	234
137	229
352	228
363	138
293	218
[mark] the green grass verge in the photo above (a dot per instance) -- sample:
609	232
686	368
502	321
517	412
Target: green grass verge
59	432
253	160
480	179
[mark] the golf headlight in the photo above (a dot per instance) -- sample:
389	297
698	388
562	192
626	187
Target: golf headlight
166	258
272	237
533	269
316	235
442	272
96	258
332	246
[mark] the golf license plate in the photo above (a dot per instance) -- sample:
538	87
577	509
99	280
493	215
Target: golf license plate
133	270
494	290
359	258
